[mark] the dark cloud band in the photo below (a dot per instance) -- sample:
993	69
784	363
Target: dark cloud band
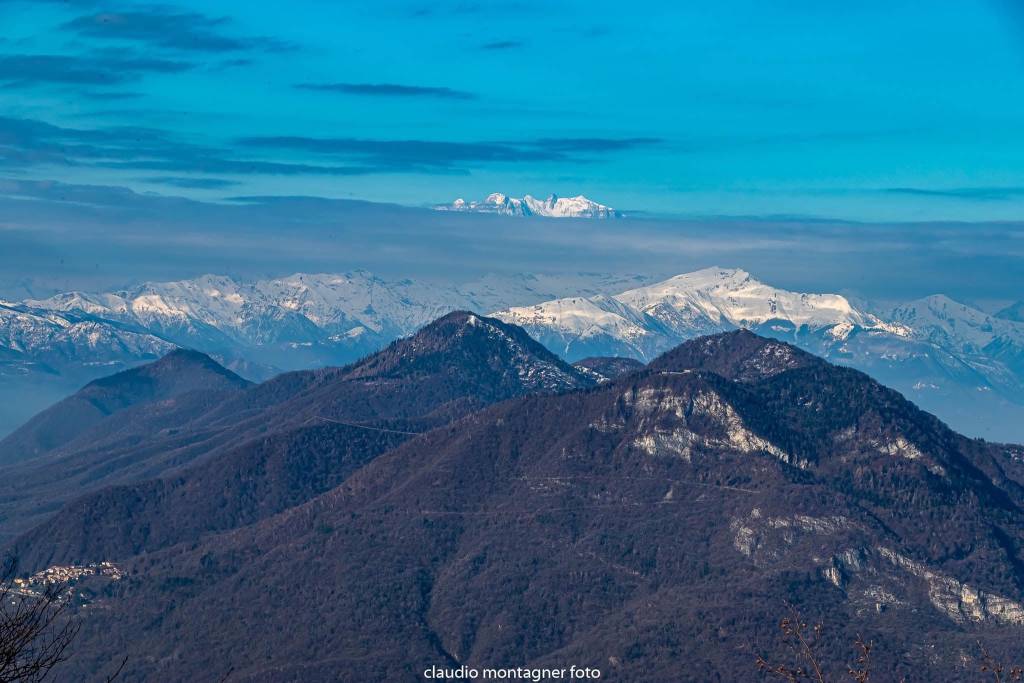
88	69
387	90
166	28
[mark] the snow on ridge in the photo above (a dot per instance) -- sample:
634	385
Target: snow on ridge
945	321
686	305
532	371
528	205
40	333
335	317
734	297
644	321
357	309
579	315
210	311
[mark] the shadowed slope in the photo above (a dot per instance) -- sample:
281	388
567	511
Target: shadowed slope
297	436
653	526
178	373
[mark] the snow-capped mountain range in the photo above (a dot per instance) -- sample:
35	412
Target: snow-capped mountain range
552	207
646	321
290	322
50	336
959	362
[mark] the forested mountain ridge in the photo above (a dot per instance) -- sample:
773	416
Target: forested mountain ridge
653	526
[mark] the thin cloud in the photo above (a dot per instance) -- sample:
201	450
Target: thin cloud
476	8
25	143
220	164
165	28
232	64
502	45
97	69
427	152
595	144
109	96
26	133
444	153
192	183
981	194
388	90
136	236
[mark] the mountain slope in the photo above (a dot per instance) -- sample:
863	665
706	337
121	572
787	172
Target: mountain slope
179	372
1014	312
605	368
46	355
281	443
962	364
738	356
45	335
991	345
50	347
591	527
301	319
644	321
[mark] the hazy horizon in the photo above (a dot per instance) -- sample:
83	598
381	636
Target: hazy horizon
65	237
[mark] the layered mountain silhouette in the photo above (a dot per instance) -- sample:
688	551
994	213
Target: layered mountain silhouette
464	497
181	376
258	451
961	363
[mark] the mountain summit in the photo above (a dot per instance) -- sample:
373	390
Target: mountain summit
959	362
257	451
480	348
645	321
552	207
599	526
956	361
178	374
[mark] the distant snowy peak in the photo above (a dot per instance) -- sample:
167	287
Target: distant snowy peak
949	323
52	336
301	306
569	207
732	296
301	320
645	321
552	207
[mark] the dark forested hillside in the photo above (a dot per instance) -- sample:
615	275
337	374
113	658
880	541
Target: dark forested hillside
608	367
179	373
271	447
654	526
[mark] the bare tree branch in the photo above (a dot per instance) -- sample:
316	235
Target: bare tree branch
35	630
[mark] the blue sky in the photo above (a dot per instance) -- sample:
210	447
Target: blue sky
866	111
